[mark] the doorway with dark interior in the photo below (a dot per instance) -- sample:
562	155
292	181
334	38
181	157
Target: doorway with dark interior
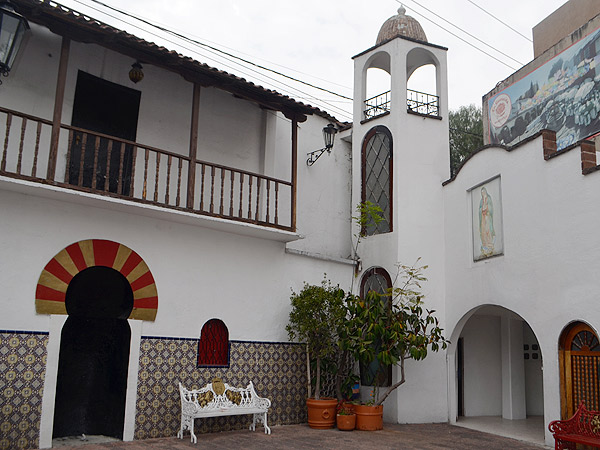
94	355
95	162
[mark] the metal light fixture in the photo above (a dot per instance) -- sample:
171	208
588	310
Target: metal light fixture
12	29
136	74
328	136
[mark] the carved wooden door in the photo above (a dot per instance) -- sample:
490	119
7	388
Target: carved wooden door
580	367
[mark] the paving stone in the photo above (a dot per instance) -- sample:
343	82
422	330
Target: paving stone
291	437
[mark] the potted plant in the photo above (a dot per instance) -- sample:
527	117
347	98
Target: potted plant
316	316
390	329
346	419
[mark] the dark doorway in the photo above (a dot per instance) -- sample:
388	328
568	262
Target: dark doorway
110	109
460	374
94	355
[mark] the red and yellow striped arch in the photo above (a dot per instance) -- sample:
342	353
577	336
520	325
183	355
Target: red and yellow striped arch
58	273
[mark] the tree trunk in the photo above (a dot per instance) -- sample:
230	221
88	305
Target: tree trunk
394	386
318	383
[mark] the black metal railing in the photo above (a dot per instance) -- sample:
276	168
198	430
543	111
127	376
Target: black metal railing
378	105
422	103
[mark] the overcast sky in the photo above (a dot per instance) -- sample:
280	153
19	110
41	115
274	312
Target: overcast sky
314	40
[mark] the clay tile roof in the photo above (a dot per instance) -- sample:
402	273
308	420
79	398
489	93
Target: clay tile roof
80	27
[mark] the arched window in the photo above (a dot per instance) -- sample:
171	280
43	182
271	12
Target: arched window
377	176
579	357
213	347
377	280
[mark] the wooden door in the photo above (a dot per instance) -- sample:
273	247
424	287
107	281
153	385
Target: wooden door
579	359
110	109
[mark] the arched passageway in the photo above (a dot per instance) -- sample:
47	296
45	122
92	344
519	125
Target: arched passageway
94	355
498	374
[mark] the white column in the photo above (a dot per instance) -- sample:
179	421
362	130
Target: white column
513	369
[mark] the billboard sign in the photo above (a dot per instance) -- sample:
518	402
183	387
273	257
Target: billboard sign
562	95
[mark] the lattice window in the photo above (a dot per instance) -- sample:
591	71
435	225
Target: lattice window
213	347
375	280
585	341
377	176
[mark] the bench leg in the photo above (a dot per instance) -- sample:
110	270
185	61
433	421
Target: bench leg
267	428
260	418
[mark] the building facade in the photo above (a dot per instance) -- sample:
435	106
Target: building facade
153	230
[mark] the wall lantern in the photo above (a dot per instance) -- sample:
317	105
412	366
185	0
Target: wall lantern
328	136
136	74
12	29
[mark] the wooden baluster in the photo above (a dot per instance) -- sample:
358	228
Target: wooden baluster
156	177
178	198
145	190
38	133
276	203
268	198
212	188
106	184
120	174
168	179
20	157
8	124
82	159
133	157
202	172
249	196
95	164
69	156
231	195
241	194
257	214
222	186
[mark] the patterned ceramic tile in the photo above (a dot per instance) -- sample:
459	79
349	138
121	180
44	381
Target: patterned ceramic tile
278	371
22	370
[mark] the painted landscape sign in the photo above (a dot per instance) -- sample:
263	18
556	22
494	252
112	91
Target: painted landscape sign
562	95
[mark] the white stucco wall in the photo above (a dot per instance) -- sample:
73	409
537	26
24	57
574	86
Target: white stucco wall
547	272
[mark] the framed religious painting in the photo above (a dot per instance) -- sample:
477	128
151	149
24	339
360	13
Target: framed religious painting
486	207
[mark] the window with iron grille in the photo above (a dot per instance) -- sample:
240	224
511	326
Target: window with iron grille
377	176
213	347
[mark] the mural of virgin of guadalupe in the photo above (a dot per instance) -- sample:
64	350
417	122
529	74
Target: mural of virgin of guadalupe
486	223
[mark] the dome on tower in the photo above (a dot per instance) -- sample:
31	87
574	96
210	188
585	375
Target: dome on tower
401	25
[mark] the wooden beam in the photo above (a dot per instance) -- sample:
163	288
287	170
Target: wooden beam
58	105
193	146
294	171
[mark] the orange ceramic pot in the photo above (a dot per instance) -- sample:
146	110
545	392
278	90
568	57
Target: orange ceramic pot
369	418
346	422
321	413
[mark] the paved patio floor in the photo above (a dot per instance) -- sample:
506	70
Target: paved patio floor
393	436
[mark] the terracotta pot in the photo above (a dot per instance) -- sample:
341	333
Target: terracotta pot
369	418
346	422
321	413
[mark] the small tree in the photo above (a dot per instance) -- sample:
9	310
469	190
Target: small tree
466	134
393	327
317	313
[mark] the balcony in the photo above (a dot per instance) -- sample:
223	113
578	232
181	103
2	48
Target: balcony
77	159
416	103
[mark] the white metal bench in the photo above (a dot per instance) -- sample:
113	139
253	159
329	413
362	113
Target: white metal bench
220	399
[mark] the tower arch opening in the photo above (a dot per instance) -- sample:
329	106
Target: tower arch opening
378	85
423	82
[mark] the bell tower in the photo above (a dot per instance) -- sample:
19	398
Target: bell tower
400	148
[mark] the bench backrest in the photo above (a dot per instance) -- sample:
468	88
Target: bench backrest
233	397
585	422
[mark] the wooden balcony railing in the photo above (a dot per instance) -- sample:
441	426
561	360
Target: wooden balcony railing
98	163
